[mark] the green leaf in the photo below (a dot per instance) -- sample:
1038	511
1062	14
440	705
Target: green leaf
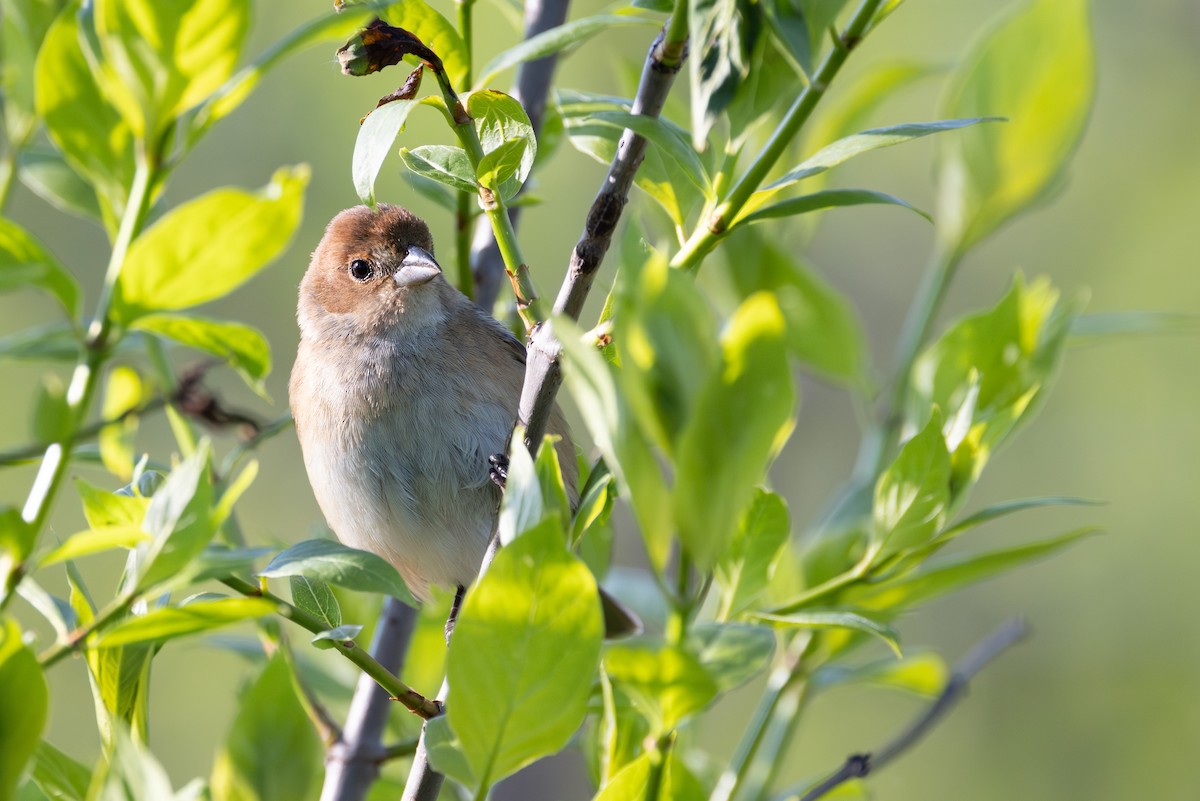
23	25
131	772
170	622
823	329
524	655
937	580
341	565
104	509
722	34
499	119
614	428
500	170
912	495
924	674
1036	67
207	247
442	163
244	348
92	541
120	679
56	342
270	732
630	783
332	26
123	393
79	120
554	41
179	519
667	683
997	510
24	698
550	479
48	175
159	59
989	370
671	141
828	199
731	653
666	337
58	775
744	570
57	612
315	597
521	506
836	619
375	138
331	637
742	418
417	17
25	262
803	27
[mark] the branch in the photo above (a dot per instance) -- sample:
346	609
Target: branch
859	765
352	762
531	88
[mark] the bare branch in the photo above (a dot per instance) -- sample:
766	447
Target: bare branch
352	762
860	765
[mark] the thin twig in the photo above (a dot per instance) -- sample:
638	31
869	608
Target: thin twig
33	450
352	762
859	765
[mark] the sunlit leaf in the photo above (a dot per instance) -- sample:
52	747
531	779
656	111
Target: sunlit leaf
207	247
924	674
828	199
93	541
315	597
743	416
170	622
912	496
744	569
442	163
671	142
722	35
527	641
179	520
836	619
375	138
667	683
1036	67
25	262
731	653
59	776
24	698
244	348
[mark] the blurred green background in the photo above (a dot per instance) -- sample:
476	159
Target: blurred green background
1104	701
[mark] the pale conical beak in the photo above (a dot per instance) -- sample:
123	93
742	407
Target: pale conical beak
417	268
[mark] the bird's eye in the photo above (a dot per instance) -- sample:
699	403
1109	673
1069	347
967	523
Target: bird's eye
361	270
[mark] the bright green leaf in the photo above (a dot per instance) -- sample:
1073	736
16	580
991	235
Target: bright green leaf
442	163
58	775
937	580
527	642
23	25
104	509
722	36
95	540
828	199
131	772
744	570
179	520
375	138
912	496
331	637
244	348
500	170
123	392
836	619
614	429
341	565
924	674
170	622
731	653
79	120
25	262
207	247
271	751
160	58
23	703
667	683
1036	67
315	597
671	142
742	418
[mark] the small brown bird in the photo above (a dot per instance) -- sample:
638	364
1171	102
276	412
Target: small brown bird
402	390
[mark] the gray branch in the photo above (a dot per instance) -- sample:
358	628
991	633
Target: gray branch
531	89
352	762
859	765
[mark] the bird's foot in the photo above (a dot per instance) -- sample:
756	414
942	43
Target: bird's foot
455	607
498	469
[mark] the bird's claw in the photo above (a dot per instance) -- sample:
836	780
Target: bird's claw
498	469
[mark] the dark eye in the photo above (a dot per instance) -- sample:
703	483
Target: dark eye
361	270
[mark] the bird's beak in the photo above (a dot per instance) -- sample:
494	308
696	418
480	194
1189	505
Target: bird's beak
417	268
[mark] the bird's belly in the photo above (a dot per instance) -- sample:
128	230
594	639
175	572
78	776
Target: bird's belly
423	504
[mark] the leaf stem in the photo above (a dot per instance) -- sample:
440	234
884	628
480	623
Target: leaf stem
716	225
658	755
417	703
117	608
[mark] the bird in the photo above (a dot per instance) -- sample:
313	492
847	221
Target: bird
402	391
